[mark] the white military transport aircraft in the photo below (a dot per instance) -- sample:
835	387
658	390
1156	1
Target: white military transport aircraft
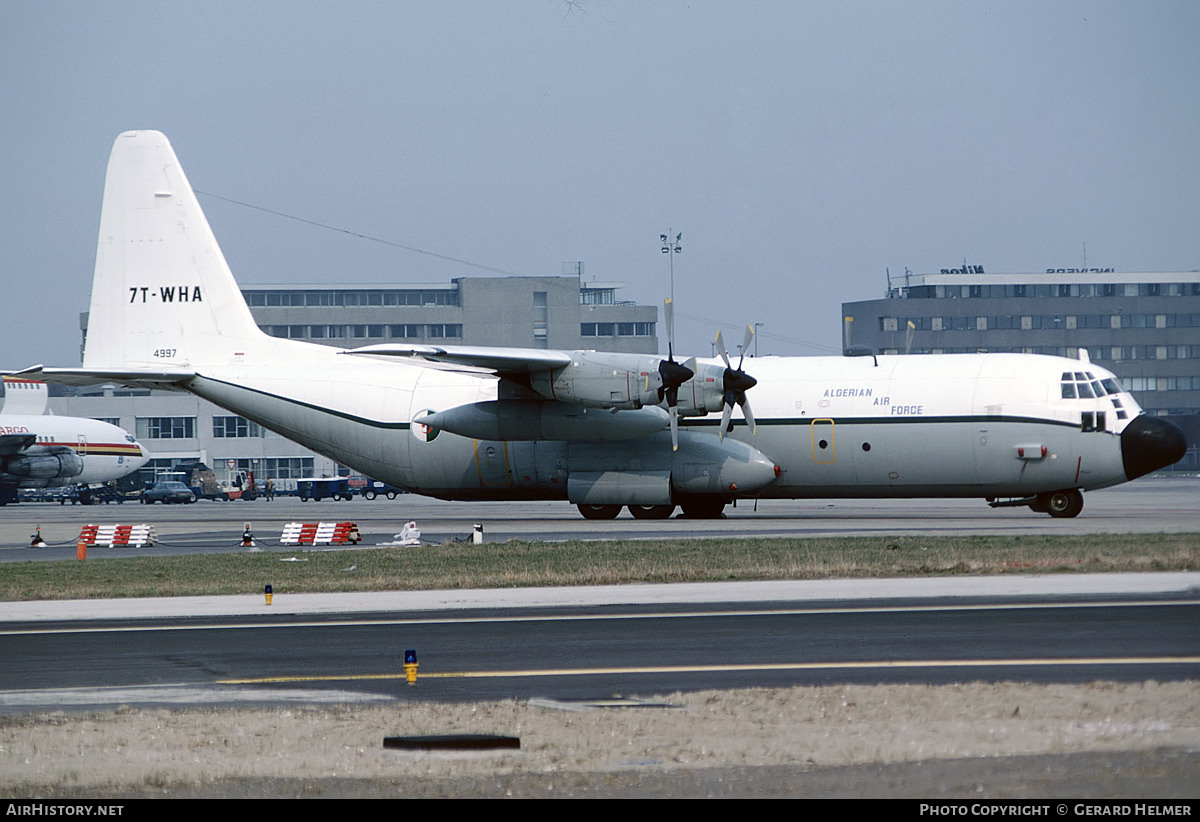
600	430
39	450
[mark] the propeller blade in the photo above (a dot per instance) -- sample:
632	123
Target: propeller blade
720	342
749	335
747	413
674	428
726	413
669	318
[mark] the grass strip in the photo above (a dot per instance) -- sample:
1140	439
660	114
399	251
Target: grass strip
612	562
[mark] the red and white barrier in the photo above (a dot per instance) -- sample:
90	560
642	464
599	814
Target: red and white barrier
320	533
118	536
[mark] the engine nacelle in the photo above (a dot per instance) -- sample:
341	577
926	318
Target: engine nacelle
603	380
704	392
43	464
628	381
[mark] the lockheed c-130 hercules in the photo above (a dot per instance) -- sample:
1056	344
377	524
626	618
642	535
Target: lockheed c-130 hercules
601	430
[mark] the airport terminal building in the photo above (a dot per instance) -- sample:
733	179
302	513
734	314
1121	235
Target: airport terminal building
1144	327
561	312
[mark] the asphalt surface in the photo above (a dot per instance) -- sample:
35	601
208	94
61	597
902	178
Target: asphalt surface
1151	505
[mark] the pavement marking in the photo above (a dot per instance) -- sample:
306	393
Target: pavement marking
740	612
730	668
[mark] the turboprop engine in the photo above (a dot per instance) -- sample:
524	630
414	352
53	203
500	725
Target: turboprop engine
603	380
629	382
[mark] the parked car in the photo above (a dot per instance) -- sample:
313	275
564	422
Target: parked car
168	491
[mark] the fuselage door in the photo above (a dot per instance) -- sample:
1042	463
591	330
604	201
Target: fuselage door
491	460
81	448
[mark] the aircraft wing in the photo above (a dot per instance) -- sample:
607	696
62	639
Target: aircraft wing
99	376
14	443
500	361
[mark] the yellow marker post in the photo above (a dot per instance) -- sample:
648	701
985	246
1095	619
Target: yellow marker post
267	591
410	667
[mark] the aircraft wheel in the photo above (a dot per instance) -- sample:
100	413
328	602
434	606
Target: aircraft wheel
652	511
1064	504
599	511
703	509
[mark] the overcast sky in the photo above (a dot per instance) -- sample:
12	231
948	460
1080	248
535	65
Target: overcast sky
803	149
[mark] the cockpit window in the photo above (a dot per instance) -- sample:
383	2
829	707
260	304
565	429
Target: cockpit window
1080	385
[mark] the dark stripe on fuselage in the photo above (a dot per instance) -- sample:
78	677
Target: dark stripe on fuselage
394	426
896	420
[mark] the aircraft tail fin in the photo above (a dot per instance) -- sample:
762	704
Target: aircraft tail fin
163	297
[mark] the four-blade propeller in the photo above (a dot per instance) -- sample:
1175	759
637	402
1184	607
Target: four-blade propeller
673	375
735	383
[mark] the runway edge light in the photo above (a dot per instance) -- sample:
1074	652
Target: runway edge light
410	666
267	591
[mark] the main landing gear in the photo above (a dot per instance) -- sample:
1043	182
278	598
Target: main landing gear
692	509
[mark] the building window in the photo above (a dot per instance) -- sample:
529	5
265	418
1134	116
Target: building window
437	331
165	428
225	427
597	296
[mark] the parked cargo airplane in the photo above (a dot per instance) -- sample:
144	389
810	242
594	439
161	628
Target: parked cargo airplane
600	430
39	450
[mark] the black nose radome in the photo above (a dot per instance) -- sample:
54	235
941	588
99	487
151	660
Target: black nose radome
1149	443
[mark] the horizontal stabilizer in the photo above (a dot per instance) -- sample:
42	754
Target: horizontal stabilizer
99	376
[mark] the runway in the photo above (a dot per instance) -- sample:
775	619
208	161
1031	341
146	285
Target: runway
590	644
